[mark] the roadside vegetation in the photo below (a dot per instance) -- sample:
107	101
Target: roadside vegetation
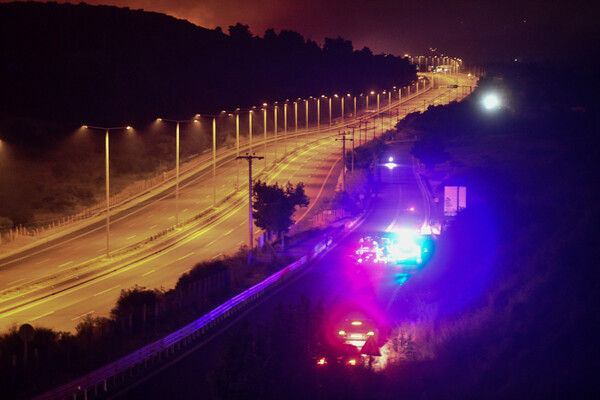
507	307
142	315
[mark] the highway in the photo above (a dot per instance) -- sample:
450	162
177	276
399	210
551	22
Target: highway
57	284
342	286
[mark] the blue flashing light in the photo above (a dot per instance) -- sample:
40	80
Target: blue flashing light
402	278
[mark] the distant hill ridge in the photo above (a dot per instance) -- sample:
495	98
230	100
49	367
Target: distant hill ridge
69	64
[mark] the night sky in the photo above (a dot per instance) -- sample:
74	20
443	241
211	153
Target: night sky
542	31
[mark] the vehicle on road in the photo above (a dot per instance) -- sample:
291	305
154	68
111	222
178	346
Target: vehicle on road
356	332
402	248
369	250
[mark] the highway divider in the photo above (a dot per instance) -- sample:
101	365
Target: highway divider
97	383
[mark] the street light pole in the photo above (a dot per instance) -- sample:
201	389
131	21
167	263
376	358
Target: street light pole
330	111
296	121
379	112
107	194
250	221
285	107
318	116
306	112
250	130
275	131
237	147
177	122
106	150
214	137
265	133
177	174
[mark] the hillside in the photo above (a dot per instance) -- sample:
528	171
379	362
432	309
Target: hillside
64	65
73	64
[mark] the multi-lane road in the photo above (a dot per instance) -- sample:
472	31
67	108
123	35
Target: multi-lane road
343	287
58	283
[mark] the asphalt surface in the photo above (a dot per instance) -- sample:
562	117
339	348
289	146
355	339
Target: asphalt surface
57	285
343	287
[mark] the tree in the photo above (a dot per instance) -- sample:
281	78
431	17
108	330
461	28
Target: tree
240	32
274	206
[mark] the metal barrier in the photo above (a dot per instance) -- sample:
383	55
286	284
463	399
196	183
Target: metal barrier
80	386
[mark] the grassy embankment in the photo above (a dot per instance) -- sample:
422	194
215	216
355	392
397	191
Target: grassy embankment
507	308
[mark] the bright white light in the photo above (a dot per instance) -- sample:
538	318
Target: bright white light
391	159
404	247
491	101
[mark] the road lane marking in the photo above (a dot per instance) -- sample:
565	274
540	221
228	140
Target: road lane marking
184	210
65	264
242	223
320	191
186	256
240	243
229	231
18	280
208	245
218	255
131	237
187	270
152	227
82	315
41	262
171	217
150	216
42	316
107	290
148	273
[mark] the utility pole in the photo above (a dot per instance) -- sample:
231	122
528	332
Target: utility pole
251	222
353	127
343	139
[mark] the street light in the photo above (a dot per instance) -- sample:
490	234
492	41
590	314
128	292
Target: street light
265	129
176	161
100	128
285	107
250	128
330	109
306	112
319	115
237	147
214	153
296	120
491	101
379	113
275	107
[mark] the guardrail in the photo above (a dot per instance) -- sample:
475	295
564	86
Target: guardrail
80	387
